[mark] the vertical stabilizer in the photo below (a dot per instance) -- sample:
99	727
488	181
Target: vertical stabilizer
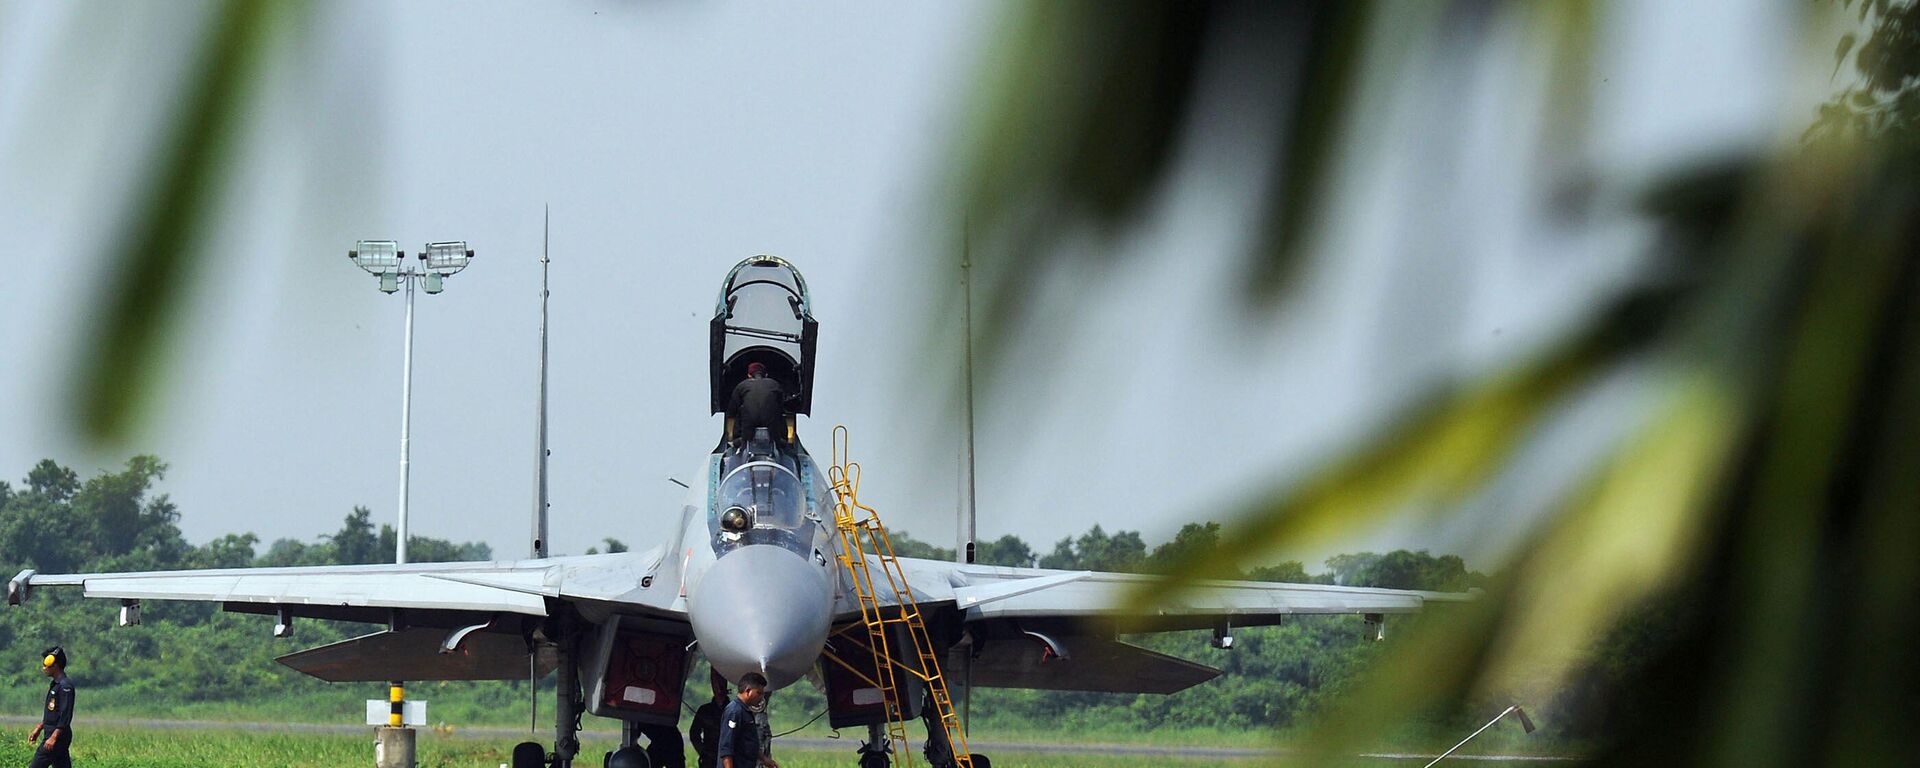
964	549
540	503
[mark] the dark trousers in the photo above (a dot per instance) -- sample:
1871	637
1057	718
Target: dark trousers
664	748
53	758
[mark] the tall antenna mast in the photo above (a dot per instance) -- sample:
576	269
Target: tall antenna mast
964	552
540	504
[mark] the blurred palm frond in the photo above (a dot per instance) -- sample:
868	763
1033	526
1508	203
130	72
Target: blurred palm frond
160	236
1769	480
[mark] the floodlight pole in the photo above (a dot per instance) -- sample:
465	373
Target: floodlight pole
406	418
384	259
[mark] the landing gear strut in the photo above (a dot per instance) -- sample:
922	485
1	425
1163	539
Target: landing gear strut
939	751
876	752
567	704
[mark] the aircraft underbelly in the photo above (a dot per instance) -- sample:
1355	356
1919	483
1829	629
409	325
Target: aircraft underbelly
1095	664
414	654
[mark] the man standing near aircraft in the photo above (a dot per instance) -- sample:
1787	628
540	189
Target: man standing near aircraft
56	721
705	730
757	402
739	743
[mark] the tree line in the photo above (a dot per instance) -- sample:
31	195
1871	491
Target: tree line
54	522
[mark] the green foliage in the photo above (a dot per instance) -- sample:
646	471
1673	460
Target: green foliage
1097	551
908	546
155	248
421	549
1766	474
1404	570
181	652
286	552
612	544
1885	97
1006	550
59	523
356	542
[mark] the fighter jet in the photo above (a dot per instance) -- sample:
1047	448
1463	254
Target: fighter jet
750	579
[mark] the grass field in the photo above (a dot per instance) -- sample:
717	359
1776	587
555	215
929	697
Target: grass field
121	747
466	706
113	746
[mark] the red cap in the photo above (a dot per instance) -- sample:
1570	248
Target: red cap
753	368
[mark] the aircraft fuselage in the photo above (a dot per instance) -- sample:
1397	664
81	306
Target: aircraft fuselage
760	585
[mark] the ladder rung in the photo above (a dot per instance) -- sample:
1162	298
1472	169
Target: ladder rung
865	536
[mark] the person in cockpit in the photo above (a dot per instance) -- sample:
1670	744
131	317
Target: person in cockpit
758	401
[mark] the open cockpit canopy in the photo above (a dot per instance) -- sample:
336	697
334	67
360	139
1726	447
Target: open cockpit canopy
763	316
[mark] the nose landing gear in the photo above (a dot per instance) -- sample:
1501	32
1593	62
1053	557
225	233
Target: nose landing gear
939	750
561	632
875	752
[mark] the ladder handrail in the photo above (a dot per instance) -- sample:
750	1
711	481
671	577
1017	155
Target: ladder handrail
860	530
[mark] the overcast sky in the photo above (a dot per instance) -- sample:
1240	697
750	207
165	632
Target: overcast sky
672	140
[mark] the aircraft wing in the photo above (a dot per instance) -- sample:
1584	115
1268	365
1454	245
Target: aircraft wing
427	593
446	621
1057	630
986	593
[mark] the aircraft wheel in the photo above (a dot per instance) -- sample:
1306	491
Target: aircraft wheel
978	760
873	759
529	754
628	757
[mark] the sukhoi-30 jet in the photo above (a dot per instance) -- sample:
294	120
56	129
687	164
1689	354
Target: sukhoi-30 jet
750	579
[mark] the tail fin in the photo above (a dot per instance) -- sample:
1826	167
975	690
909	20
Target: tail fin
540	503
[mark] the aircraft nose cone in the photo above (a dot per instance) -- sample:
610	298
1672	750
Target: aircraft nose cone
762	609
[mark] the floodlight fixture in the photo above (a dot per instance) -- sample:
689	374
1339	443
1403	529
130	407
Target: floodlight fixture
446	258
377	256
384	259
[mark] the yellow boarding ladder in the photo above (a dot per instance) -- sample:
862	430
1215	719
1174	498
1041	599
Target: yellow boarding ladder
861	535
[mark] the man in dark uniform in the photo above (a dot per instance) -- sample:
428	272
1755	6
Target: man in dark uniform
739	745
56	722
758	402
705	731
664	749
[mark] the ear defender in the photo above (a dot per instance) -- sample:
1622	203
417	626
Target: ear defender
48	661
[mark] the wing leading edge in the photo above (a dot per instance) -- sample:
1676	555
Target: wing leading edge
983	593
349	591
